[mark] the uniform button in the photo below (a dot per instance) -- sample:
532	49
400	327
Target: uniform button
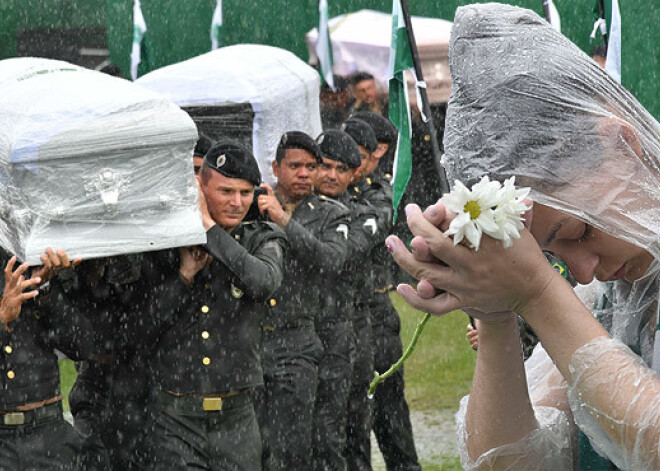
273	302
205	309
207	285
206	361
205	335
10	374
8	349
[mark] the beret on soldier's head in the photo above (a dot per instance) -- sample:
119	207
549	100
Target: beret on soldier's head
339	146
233	160
381	126
297	140
361	133
203	145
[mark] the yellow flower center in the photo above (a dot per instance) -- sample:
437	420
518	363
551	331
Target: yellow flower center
473	208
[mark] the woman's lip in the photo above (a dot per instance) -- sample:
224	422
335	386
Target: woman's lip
621	272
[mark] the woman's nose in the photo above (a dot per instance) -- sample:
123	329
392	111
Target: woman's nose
582	264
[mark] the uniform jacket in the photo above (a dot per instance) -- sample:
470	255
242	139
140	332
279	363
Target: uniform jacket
213	343
317	234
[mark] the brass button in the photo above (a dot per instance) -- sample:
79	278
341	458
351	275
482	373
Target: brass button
273	302
8	349
205	309
10	374
207	285
206	361
205	335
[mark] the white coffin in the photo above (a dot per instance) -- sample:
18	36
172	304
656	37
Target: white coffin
282	91
91	164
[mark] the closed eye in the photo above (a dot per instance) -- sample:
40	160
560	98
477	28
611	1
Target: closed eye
588	232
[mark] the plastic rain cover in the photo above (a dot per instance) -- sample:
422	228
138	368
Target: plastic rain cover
525	101
282	89
91	164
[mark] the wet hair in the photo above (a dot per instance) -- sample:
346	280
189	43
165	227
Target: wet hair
358	77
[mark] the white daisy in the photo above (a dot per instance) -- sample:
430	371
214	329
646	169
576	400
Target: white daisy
474	210
488	208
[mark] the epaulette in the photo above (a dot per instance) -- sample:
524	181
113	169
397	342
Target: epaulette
333	201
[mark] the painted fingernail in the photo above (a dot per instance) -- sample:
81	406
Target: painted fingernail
409	209
390	246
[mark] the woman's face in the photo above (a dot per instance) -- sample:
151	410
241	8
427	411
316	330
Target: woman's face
587	251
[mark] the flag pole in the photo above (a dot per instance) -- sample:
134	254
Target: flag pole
601	12
546	11
444	185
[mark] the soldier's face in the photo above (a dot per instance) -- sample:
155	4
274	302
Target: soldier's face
333	177
367	165
197	163
295	174
228	199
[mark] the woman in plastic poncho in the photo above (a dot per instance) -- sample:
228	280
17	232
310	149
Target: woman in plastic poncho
527	103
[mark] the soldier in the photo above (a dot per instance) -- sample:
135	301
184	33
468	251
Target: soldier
334	103
391	415
341	158
202	146
109	396
358	430
317	231
366	94
33	432
208	305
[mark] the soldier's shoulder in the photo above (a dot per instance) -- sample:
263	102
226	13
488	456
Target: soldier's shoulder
262	230
333	202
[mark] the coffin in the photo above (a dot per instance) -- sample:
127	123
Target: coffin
91	164
248	92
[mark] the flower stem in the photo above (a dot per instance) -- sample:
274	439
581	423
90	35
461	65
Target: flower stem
379	378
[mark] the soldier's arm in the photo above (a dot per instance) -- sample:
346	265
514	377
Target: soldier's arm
260	273
380	198
328	253
363	234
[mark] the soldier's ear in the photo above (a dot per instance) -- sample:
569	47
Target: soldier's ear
276	169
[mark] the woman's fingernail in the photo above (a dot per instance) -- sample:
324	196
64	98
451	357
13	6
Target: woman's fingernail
409	209
433	212
390	245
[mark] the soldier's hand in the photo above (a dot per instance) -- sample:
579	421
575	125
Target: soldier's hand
269	203
15	293
193	259
53	261
207	220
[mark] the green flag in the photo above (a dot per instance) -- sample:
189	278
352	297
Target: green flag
324	46
139	28
216	25
400	60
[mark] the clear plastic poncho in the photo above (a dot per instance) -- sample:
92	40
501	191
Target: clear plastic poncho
526	102
92	164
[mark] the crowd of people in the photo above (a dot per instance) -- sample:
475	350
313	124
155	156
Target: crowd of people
253	351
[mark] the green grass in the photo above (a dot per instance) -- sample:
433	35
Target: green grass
439	372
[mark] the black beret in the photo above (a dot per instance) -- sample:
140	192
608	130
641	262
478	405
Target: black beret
233	160
381	126
358	77
361	133
298	140
203	145
337	145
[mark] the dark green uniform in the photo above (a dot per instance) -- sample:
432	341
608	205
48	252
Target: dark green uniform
108	399
207	358
379	322
317	234
335	329
39	438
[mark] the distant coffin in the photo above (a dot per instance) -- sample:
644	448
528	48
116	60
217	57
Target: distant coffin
91	164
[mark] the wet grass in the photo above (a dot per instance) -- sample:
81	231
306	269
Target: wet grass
439	372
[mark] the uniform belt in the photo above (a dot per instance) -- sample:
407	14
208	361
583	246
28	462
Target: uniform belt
303	324
207	404
34	416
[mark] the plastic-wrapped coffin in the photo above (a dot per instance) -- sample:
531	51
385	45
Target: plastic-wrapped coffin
247	92
91	164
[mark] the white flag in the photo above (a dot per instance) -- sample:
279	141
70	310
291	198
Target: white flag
324	45
139	28
216	25
554	19
613	60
